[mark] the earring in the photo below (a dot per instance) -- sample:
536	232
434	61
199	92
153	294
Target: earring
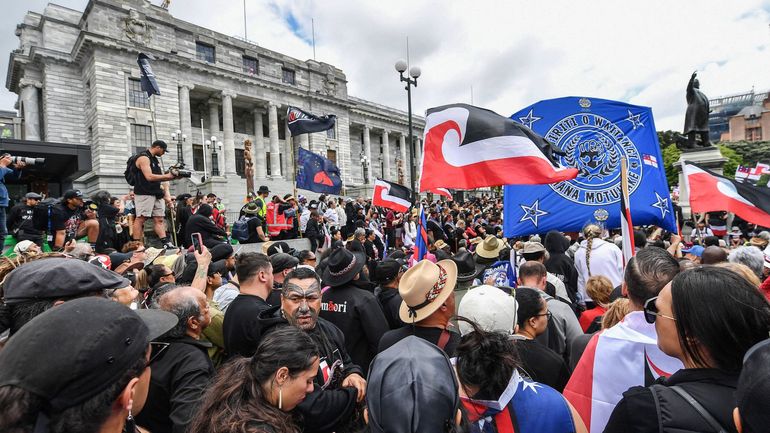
130	423
280	397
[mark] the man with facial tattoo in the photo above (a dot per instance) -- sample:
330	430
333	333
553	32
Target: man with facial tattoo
339	385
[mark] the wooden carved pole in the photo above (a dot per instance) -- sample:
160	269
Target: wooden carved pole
249	167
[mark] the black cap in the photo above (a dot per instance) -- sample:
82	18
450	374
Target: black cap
72	193
160	143
386	271
183	197
283	261
78	349
217	267
279	247
33	195
58	278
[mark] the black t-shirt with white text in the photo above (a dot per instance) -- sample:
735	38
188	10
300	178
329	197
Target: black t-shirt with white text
64	218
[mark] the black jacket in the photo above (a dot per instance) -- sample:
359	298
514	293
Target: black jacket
560	264
358	315
430	334
241	329
179	380
390	302
332	407
312	230
209	231
713	389
20	223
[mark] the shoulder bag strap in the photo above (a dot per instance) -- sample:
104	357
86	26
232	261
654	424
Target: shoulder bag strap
443	339
701	410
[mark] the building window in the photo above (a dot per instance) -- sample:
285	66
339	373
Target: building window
754	134
136	96
331	133
205	52
250	65
288	76
198	157
141	137
267	163
240	163
331	155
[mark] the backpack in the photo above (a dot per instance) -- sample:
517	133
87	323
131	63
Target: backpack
131	170
240	230
41	215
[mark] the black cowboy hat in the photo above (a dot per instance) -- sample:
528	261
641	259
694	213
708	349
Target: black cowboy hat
343	266
466	266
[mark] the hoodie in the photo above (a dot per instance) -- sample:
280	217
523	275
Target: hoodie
606	259
559	264
330	407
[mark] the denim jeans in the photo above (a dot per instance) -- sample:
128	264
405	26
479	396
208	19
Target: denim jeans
3	229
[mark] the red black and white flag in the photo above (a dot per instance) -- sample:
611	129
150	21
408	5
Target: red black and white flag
442	191
468	147
710	192
392	196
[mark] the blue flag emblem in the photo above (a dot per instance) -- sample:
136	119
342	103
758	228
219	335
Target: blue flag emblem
595	134
316	173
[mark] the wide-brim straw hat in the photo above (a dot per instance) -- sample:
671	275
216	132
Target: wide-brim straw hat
424	288
490	248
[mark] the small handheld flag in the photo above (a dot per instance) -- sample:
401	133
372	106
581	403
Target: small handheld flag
421	243
392	196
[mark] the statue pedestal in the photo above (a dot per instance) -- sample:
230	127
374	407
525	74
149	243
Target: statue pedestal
706	157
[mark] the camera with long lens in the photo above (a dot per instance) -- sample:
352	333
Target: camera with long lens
178	170
27	160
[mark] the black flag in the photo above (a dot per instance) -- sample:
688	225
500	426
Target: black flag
149	84
302	122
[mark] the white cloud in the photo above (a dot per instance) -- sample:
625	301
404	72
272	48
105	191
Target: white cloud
514	53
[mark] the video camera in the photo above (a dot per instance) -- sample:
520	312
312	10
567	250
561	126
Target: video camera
27	160
178	170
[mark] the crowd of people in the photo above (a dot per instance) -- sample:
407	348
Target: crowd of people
553	332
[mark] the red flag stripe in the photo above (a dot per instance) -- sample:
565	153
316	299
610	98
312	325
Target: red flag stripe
579	389
708	194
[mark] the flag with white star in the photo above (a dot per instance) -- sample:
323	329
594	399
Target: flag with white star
316	173
595	136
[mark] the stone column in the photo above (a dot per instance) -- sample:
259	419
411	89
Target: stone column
386	156
214	131
304	141
227	125
368	152
260	166
29	100
185	123
404	162
275	150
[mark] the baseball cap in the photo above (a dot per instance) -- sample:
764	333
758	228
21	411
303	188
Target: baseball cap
695	250
386	270
279	247
56	278
217	267
283	261
491	308
33	195
72	193
66	368
532	247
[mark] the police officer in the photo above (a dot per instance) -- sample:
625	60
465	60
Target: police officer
20	220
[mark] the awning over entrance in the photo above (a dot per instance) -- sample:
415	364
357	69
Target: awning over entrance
63	162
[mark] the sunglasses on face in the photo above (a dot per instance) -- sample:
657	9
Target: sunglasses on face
157	350
651	311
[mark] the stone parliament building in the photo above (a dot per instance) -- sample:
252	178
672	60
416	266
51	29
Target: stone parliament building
82	107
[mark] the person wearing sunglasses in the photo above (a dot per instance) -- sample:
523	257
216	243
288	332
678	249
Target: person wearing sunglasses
182	374
95	360
258	393
708	318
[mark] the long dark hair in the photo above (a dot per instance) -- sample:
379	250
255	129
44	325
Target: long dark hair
486	360
235	400
719	315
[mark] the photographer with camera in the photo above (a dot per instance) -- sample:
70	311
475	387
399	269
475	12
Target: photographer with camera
150	194
8	167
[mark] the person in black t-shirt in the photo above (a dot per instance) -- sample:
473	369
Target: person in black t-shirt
150	197
68	221
428	304
20	222
539	362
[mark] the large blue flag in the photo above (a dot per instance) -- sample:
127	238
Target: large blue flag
595	134
316	173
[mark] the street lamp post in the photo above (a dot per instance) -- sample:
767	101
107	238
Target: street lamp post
365	167
179	138
214	157
414	72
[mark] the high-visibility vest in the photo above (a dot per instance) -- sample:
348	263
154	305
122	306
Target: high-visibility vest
276	221
263	209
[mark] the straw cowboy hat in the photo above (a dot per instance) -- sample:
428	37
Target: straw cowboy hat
490	248
424	288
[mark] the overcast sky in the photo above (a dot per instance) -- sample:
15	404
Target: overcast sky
510	53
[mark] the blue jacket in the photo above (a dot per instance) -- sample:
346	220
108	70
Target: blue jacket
5	171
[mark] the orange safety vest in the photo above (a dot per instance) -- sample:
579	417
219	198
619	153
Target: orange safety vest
276	221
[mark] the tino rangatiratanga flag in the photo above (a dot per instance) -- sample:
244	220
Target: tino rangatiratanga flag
302	122
392	196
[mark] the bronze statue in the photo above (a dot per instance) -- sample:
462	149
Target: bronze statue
696	119
249	167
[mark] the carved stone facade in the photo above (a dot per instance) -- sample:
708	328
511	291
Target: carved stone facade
76	76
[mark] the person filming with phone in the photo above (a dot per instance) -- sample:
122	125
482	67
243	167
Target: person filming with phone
200	222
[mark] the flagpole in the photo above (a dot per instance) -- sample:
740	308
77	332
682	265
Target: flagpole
628	236
163	167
